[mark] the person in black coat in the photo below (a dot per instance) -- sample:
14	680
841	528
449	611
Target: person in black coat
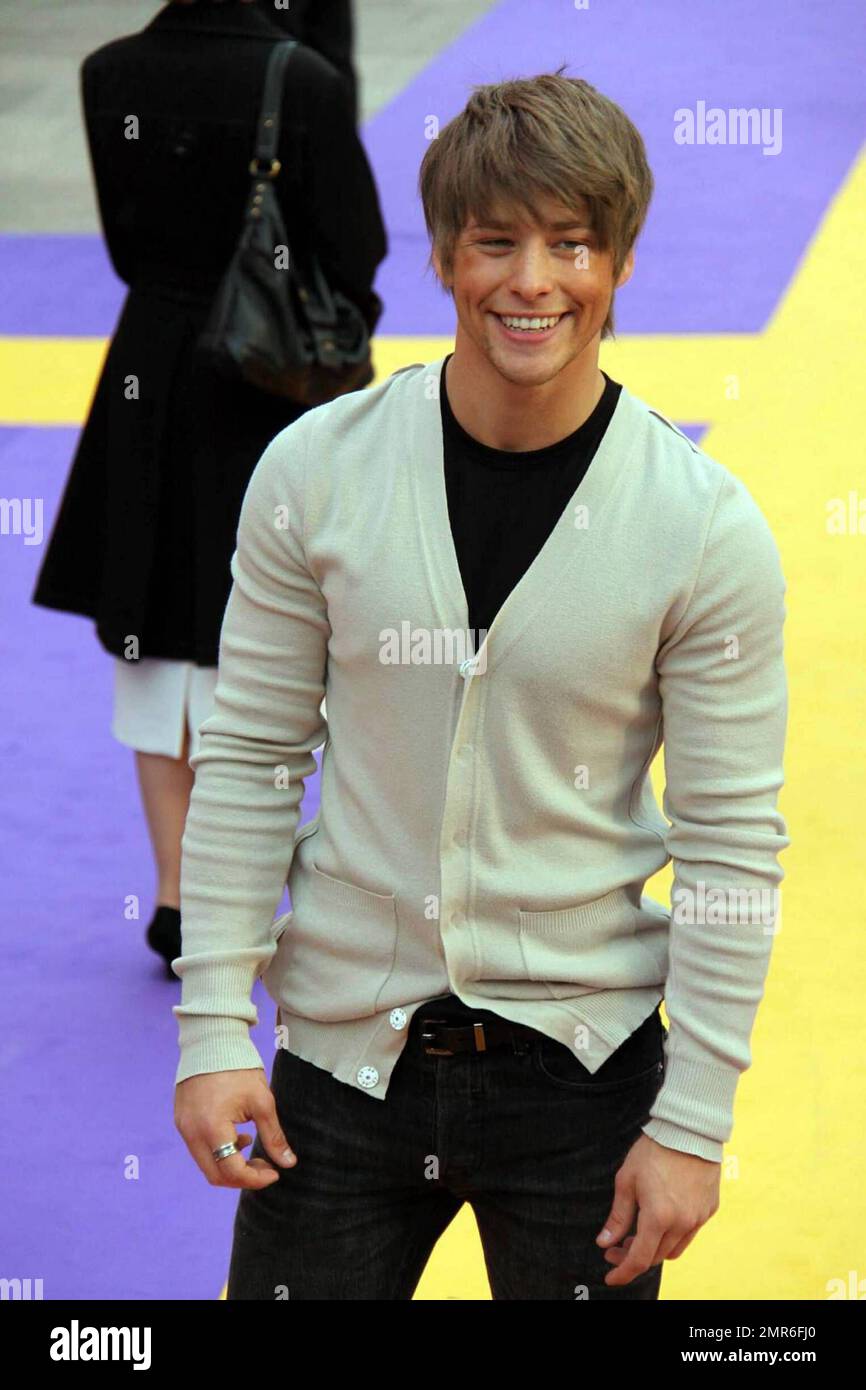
146	528
325	25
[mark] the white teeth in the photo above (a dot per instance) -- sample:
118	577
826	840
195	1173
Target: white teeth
529	325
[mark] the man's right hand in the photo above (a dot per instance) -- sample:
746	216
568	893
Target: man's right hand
207	1108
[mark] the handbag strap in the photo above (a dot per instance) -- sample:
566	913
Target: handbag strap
319	305
268	130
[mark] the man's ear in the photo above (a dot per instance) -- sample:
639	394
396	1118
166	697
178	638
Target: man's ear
627	268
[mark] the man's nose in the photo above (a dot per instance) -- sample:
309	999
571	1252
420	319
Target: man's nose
531	273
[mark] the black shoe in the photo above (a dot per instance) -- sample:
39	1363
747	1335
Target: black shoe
163	936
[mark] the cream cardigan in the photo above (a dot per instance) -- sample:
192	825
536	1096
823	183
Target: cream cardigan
487	823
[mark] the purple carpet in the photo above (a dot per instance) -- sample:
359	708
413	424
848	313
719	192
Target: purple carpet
112	1205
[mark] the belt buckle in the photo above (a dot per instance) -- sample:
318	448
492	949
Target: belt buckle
477	1028
437	1051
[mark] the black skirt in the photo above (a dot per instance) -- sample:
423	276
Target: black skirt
147	524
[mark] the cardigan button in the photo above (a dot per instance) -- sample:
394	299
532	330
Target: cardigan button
397	1018
467	667
367	1077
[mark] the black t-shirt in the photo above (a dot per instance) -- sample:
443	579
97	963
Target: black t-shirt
503	505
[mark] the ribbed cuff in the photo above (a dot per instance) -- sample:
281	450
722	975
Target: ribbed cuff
694	1110
213	1042
674	1137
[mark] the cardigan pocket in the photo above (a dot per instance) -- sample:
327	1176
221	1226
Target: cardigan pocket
565	949
336	953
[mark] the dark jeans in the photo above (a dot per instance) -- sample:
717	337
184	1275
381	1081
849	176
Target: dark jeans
524	1133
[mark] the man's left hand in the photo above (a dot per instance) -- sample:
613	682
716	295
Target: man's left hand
674	1194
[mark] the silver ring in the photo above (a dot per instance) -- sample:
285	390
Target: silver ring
225	1151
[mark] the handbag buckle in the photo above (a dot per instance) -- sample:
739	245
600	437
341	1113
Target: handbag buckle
260	173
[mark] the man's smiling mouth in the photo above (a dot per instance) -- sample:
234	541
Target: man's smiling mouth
532	326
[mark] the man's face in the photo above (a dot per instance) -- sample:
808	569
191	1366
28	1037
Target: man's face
513	267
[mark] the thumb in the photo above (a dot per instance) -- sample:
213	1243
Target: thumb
271	1133
621	1214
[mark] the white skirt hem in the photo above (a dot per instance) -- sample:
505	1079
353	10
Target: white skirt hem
156	700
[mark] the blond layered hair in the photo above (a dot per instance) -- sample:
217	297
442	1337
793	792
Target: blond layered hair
532	136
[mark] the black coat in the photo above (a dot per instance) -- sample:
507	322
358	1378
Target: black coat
326	26
147	524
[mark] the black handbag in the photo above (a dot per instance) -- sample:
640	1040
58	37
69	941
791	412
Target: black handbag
281	328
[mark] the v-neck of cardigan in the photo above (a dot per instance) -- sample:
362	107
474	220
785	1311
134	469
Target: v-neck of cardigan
567	547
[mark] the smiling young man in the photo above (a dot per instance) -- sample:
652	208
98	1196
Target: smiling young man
512	580
532	293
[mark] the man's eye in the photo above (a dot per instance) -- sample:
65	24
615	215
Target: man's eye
503	241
